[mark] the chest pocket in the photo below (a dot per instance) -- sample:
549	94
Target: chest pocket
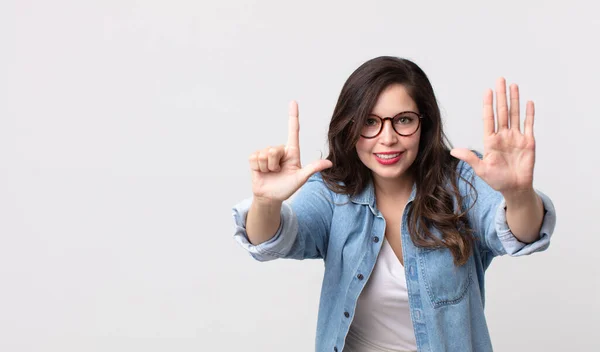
445	283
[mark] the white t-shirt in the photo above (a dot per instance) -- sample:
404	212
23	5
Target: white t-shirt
382	318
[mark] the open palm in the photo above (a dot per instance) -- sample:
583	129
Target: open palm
509	153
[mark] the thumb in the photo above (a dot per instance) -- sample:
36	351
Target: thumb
314	167
468	157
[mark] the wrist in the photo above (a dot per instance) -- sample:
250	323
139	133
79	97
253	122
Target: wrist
266	203
520	197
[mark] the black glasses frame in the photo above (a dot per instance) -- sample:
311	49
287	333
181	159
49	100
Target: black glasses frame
383	119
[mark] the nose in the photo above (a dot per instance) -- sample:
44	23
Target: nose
388	136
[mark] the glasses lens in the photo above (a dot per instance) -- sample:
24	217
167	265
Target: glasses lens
406	123
371	127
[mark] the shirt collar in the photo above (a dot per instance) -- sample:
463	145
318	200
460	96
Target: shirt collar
367	196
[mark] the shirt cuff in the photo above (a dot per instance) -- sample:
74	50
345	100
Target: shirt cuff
511	245
279	245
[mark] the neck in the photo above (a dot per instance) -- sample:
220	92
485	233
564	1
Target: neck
393	188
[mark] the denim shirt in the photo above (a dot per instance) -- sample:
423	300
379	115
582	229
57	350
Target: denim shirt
446	302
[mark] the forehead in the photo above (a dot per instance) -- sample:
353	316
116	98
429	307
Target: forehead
392	100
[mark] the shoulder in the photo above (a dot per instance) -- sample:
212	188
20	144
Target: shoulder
318	179
317	186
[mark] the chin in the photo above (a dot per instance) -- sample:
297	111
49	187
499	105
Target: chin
388	173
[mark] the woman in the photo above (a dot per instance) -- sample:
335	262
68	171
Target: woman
406	226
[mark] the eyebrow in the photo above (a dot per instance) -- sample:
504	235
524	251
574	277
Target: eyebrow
401	112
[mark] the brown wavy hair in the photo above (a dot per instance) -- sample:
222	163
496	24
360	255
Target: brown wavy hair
434	169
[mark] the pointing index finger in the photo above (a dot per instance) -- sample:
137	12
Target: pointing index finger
293	126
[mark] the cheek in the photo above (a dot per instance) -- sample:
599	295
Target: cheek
414	141
362	146
363	149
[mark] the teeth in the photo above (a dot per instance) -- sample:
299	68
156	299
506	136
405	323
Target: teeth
387	156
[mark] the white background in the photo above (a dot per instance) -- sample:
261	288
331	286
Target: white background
125	128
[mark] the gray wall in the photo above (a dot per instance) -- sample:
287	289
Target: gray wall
125	128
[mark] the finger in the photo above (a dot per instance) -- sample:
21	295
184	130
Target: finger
263	164
274	158
253	160
314	167
468	157
529	114
501	106
489	125
515	120
293	126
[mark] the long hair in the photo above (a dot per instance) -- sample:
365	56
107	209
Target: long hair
434	169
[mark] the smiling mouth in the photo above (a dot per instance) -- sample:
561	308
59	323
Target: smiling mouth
387	156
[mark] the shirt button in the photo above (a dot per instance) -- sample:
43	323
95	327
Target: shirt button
375	239
360	276
335	349
347	315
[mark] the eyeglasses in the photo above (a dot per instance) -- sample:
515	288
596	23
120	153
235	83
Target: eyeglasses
405	124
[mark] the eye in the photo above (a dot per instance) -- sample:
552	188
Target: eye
371	122
404	119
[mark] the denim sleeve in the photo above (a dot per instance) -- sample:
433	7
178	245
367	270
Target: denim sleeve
304	227
488	219
509	244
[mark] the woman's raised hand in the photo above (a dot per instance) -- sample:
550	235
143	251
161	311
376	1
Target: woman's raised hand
276	171
509	152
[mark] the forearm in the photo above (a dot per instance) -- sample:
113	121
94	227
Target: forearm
524	215
262	221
